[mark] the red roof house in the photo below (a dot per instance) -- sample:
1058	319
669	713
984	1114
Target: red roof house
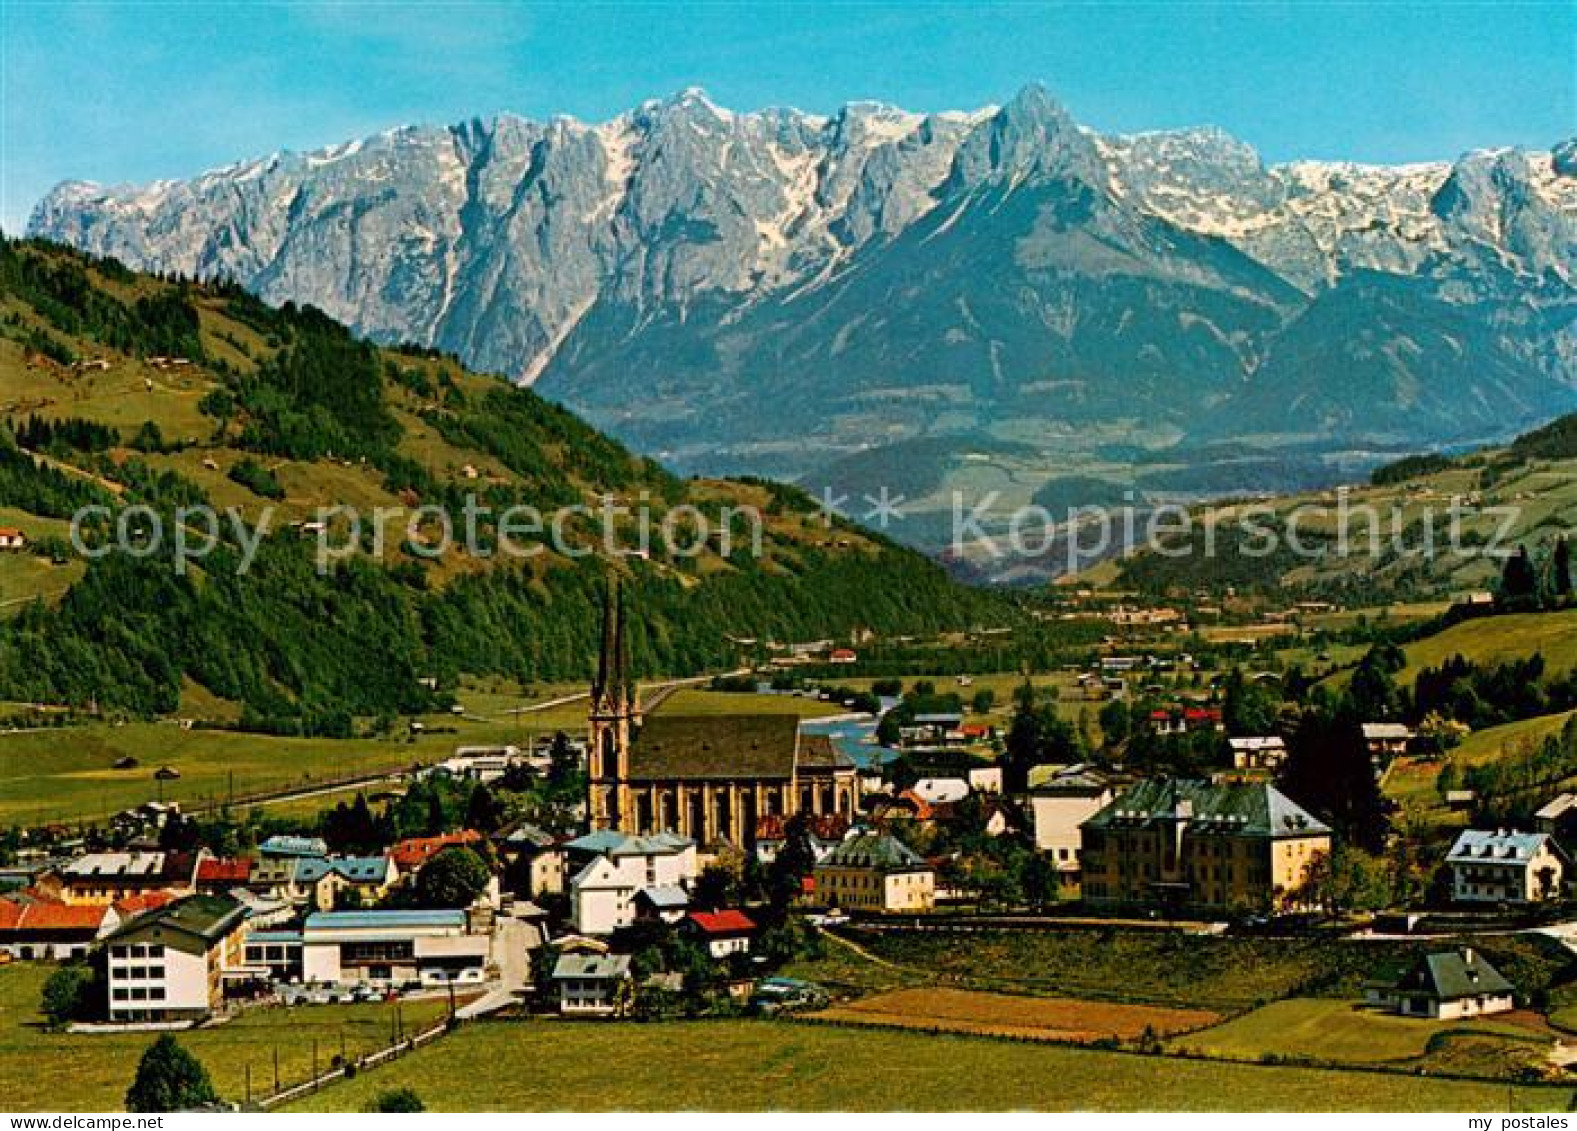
725	932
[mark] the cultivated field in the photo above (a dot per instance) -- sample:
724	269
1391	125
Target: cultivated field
89	1072
1491	640
1004	1015
763	1065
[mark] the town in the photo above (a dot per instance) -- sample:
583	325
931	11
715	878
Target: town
804	845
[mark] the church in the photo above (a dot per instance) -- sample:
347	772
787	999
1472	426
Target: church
707	777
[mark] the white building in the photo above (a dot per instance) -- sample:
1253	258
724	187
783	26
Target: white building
171	964
1506	867
615	867
1258	752
1061	798
588	985
1445	987
427	947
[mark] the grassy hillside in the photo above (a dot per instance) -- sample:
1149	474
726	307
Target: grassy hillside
1523	493
128	391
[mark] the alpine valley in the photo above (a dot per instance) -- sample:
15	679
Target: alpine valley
998	300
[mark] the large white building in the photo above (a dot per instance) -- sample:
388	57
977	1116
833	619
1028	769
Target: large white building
170	964
430	947
616	867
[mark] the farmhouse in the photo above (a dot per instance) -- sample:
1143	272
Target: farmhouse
107	877
1387	740
1184	843
12	539
1458	983
1506	867
170	964
875	872
708	778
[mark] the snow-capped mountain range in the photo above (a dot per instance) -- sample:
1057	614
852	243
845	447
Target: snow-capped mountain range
770	289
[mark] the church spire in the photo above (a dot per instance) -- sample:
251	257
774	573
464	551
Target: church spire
612	688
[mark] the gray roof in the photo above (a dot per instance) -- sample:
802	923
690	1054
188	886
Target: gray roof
1452	975
709	747
610	842
205	917
1474	846
873	850
1226	809
665	897
592	966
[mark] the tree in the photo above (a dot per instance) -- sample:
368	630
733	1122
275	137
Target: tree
715	887
794	861
483	811
1036	735
1519	581
1329	771
1249	708
1561	569
169	1079
1114	720
70	994
453	878
396	1101
984	700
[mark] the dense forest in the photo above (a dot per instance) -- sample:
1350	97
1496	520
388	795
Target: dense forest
307	651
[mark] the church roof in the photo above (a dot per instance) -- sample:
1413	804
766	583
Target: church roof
715	747
819	752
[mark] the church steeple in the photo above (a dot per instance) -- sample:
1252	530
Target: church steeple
614	711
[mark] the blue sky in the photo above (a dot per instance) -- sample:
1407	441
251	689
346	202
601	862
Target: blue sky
132	91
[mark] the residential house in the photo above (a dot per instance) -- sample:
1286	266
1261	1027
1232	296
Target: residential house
216	875
12	538
1062	798
1258	752
875	872
722	932
1445	986
535	858
1558	817
591	985
426	947
667	904
171	964
824	833
39	929
1214	846
1387	740
1502	866
617	866
107	877
941	791
345	879
409	855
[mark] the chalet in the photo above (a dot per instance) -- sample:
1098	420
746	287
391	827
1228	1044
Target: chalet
843	656
1264	752
12	539
722	932
591	985
1506	867
171	964
1445	986
1387	740
875	872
